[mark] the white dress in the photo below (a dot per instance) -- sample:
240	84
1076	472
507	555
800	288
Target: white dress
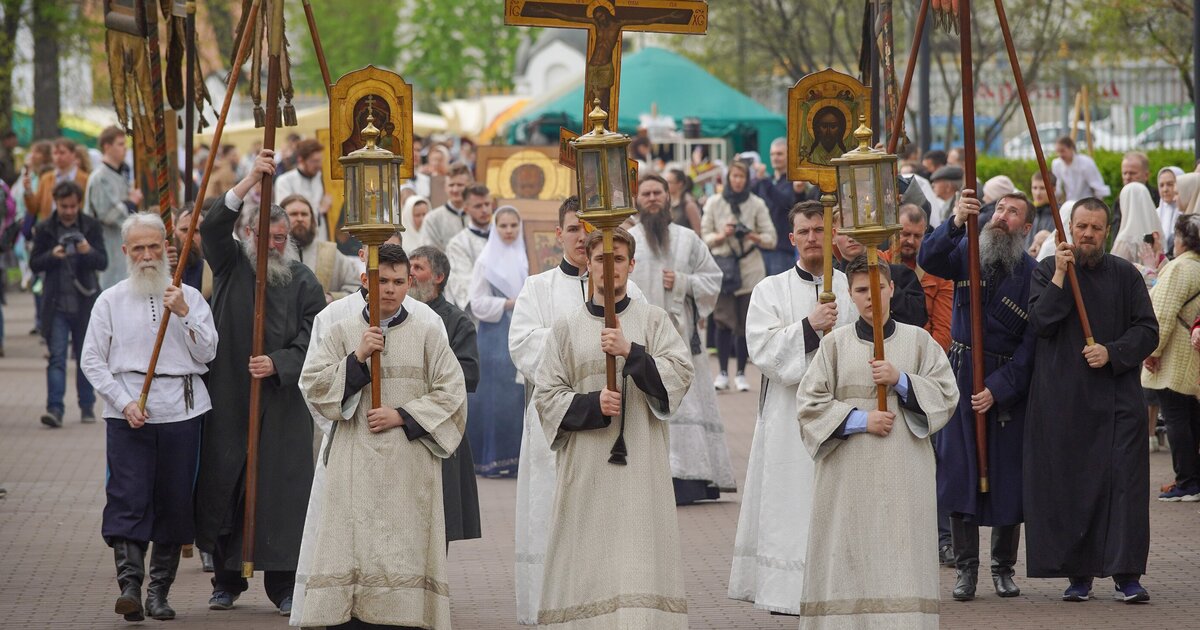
769	549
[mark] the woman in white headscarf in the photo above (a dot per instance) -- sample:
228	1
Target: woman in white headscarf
1139	218
413	216
1051	242
497	408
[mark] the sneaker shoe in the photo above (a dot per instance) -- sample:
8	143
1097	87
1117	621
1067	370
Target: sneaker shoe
740	381
1189	494
285	606
52	418
722	381
1078	592
1131	592
87	416
223	600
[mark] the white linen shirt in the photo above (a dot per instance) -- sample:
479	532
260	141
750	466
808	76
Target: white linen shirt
120	338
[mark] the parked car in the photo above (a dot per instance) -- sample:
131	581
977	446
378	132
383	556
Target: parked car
1021	147
1169	133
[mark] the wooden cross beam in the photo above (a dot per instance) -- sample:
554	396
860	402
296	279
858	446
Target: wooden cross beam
606	21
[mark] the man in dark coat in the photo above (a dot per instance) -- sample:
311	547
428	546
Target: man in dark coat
285	466
1087	469
430	269
68	247
1005	273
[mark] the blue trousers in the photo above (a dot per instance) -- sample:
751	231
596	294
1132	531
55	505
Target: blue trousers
67	330
777	261
151	474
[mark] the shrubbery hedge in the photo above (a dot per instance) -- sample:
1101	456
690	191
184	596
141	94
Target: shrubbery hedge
1109	163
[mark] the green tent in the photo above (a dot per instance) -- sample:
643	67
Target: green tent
680	89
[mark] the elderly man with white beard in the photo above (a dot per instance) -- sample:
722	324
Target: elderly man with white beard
151	452
1006	271
285	464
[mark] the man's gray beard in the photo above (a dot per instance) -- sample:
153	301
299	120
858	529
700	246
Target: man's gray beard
1000	249
1089	260
279	266
425	292
150	280
306	239
657	226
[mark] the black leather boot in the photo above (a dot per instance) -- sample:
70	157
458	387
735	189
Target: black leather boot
1005	541
130	557
966	558
164	561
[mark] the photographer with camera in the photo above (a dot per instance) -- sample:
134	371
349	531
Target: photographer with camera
736	226
68	248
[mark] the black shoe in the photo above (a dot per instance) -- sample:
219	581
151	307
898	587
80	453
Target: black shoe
52	418
131	570
222	600
87	416
206	562
964	588
164	562
1005	586
285	606
946	555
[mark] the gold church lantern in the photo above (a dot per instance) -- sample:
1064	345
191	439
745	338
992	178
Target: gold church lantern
372	176
601	173
866	180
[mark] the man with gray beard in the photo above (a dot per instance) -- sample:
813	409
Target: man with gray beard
151	452
1006	271
285	466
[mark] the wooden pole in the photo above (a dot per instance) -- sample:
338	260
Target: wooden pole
1087	120
877	319
189	115
373	315
610	307
274	51
898	121
828	200
162	169
320	50
186	249
973	280
1080	309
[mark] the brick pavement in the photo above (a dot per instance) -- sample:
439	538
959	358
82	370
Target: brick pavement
57	573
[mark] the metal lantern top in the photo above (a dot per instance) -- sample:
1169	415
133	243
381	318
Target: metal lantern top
867	190
372	176
601	173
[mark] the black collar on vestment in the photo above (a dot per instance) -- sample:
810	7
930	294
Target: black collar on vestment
396	321
569	269
598	311
866	331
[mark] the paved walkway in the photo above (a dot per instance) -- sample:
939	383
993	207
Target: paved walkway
57	573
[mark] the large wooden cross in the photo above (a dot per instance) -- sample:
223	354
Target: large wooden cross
606	21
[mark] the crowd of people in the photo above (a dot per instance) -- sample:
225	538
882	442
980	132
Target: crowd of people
492	368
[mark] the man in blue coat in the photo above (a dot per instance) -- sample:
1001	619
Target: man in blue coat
1005	273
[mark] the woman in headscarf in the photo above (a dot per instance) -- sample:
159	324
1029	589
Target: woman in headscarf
413	216
1139	218
1051	241
735	225
497	408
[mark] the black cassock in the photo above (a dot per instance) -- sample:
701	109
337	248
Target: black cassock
460	495
285	466
1087	469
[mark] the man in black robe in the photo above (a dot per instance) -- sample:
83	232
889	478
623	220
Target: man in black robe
430	269
1006	271
285	466
1087	469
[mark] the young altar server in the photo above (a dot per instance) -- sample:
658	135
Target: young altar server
872	544
380	555
613	555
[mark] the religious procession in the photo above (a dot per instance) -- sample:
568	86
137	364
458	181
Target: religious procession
599	314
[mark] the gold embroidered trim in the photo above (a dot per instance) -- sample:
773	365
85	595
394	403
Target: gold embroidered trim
870	606
357	578
403	371
676	605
